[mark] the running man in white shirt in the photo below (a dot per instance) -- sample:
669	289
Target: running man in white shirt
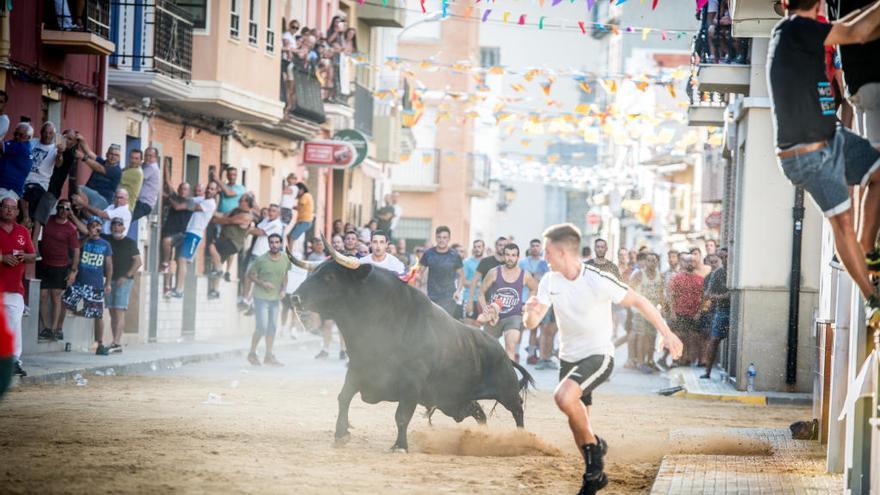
380	256
581	297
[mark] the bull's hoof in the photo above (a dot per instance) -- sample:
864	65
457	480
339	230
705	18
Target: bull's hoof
395	449
341	440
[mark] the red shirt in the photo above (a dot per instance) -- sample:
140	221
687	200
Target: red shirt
16	239
687	293
59	239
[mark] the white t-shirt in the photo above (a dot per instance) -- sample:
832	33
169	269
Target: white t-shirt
44	163
583	311
199	219
261	245
295	276
390	263
398	211
117	212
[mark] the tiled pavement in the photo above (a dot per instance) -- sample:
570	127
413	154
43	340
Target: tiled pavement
793	467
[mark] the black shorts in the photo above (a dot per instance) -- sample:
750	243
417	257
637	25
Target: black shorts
52	277
32	194
589	373
225	248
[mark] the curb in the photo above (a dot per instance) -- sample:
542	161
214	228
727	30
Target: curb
752	399
131	368
142	366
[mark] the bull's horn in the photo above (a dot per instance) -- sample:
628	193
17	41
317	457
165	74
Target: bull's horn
346	261
305	265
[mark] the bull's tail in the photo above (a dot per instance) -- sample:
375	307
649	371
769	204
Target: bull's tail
526	380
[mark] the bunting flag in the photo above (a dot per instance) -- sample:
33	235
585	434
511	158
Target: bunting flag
486	14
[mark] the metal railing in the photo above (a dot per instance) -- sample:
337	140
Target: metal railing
480	172
720	47
363	109
307	98
94	17
153	35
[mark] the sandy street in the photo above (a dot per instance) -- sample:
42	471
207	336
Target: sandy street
273	433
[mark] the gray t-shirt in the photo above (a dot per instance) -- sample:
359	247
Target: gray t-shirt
150	189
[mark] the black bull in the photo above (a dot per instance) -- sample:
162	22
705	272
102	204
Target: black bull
403	348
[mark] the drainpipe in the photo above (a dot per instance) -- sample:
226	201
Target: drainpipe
5	44
794	290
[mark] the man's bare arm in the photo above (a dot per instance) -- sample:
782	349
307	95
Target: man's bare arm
858	27
644	306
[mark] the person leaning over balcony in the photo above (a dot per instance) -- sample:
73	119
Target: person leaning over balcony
16	162
305	213
149	193
106	174
813	149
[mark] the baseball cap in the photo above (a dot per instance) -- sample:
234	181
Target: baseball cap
94	219
117	220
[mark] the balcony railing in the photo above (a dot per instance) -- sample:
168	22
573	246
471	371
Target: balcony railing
479	173
307	101
719	46
420	173
153	36
95	17
83	30
363	109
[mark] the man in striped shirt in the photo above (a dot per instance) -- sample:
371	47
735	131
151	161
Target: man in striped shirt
581	296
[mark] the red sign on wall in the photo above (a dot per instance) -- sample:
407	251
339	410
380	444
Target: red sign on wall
329	153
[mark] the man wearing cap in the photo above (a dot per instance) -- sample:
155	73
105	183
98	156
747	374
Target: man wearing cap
119	209
813	149
126	262
89	281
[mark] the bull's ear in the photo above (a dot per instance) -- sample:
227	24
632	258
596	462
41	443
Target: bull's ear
363	271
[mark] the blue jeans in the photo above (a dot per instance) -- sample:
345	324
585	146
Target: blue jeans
95	199
266	313
299	228
826	173
720	324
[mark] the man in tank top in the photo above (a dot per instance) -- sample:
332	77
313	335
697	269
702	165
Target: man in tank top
504	283
648	282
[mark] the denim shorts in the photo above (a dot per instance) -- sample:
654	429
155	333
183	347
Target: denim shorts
720	324
826	173
189	247
120	290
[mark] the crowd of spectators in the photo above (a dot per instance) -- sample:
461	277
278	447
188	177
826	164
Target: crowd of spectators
320	55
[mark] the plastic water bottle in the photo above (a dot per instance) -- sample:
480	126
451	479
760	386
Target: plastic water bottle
751	374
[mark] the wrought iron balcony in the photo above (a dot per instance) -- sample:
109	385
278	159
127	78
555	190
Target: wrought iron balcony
85	31
363	109
479	174
153	36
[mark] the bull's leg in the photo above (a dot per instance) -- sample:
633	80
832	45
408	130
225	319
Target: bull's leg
405	410
349	389
514	405
476	412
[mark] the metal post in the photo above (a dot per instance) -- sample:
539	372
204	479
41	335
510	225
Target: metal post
154	261
794	291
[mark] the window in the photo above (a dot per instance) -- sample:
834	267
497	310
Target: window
415	230
197	9
234	18
490	56
270	31
253	20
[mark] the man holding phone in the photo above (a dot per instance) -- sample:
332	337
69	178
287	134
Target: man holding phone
16	249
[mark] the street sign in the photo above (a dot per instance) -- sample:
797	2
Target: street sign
357	139
336	154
